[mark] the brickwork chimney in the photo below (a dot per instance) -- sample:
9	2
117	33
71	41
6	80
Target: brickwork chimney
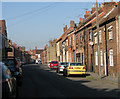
93	9
108	6
72	24
15	45
87	14
36	48
65	28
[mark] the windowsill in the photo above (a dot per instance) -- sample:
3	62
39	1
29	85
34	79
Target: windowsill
112	65
110	39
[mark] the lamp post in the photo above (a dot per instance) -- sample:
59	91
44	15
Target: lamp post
97	22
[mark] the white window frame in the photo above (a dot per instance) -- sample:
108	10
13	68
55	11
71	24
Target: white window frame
90	37
101	58
110	30
111	57
70	40
67	42
100	36
96	39
96	58
73	39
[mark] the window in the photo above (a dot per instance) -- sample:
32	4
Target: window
76	39
96	58
111	57
101	58
80	37
70	41
96	40
67	42
100	36
0	28
89	35
73	39
110	30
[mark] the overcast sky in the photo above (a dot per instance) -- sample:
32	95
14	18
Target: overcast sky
33	24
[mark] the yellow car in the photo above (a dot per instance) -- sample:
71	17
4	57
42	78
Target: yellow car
74	68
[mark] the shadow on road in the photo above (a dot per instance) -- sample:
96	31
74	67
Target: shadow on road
66	87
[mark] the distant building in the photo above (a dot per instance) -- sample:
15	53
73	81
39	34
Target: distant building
3	38
52	51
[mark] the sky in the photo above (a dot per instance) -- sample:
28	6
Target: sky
33	24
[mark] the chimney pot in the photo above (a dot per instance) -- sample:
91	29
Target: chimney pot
80	19
99	5
86	12
93	5
83	19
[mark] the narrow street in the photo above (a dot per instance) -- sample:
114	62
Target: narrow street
40	81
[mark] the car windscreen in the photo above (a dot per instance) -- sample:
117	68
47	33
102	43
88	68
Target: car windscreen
9	63
55	62
64	63
76	64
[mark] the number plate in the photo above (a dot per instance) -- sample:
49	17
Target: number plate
77	68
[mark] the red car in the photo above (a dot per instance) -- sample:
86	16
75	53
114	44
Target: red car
53	64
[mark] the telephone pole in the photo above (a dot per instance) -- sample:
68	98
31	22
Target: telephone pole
97	22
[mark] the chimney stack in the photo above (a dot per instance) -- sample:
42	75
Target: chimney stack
86	14
65	28
108	6
36	48
93	9
72	24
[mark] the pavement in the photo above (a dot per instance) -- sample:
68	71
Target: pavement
106	79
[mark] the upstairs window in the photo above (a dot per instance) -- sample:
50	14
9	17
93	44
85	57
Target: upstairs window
110	31
67	42
80	37
70	41
76	40
100	36
73	39
90	35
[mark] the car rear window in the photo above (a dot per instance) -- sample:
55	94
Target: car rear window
9	62
76	64
64	63
54	62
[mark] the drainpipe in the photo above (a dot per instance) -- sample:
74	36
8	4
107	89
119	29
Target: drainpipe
106	72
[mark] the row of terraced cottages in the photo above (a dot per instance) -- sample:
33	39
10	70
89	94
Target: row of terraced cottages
79	43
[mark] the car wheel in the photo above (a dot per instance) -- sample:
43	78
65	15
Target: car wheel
56	70
67	74
84	75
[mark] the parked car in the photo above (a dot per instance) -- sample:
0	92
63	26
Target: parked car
38	61
15	69
49	64
19	62
74	68
22	62
9	85
53	64
61	66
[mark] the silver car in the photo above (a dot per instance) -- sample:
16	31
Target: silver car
61	66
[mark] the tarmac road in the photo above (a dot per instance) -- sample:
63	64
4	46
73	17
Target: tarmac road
39	82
